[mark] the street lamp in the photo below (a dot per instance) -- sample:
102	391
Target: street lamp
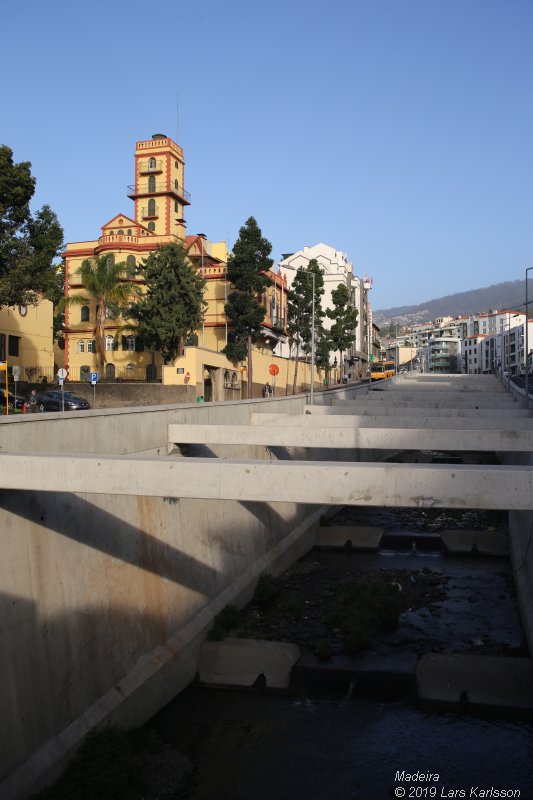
312	396
509	348
526	348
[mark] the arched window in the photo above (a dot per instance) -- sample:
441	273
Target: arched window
151	163
85	373
81	346
151	183
151	226
177	164
151	207
176	207
129	231
128	343
176	185
110	260
120	232
84	317
109	343
131	265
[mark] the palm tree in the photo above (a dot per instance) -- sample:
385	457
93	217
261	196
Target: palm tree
111	288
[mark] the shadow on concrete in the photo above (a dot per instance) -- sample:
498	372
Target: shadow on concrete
72	516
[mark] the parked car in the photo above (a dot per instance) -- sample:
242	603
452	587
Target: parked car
51	401
14	402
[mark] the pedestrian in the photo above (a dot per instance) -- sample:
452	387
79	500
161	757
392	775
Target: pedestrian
33	401
267	391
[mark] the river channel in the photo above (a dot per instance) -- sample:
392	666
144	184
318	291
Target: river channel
329	738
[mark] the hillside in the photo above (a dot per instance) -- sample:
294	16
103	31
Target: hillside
499	295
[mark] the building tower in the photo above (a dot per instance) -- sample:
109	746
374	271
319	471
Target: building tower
158	192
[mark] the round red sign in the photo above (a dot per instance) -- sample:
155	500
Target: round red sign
273	369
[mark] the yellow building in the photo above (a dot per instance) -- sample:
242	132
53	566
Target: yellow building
26	340
159	201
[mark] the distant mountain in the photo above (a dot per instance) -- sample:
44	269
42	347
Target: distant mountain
499	295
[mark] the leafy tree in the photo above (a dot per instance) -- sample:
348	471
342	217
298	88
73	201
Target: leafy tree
28	243
172	308
342	332
248	269
300	311
107	285
323	350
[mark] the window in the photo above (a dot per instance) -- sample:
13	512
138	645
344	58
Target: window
120	232
129	231
109	343
84	317
91	346
151	183
13	345
85	373
81	346
176	207
110	260
151	207
131	265
151	226
151	163
176	185
177	164
128	343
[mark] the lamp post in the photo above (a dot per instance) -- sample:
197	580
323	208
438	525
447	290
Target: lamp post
509	348
526	348
312	395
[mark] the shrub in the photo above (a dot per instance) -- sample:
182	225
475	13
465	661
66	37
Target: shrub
266	591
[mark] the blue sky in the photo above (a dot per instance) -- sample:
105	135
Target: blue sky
399	131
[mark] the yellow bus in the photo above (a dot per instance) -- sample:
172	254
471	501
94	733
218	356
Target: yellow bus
382	369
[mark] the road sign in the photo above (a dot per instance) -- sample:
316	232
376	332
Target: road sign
61	381
62	373
273	369
372	358
16	373
93	377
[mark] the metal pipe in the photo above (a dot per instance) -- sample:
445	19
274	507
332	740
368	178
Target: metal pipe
312	396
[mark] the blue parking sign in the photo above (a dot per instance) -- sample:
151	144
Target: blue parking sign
94	377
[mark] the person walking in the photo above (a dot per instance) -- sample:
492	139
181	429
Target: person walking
32	402
267	390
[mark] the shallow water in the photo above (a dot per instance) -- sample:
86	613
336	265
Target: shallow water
249	746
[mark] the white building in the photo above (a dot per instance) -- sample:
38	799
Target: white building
336	269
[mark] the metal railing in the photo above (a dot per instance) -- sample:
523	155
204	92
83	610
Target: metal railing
159	188
150	213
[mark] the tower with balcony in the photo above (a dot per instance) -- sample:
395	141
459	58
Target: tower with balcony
158	192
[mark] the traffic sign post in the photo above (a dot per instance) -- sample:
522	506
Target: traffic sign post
274	370
16	376
3	368
187	379
61	375
94	380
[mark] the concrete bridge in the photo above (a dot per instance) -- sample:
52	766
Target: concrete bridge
124	532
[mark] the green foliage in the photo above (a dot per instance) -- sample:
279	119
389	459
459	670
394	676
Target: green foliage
248	268
342	333
172	308
300	312
363	608
28	243
228	619
266	591
105	283
323	650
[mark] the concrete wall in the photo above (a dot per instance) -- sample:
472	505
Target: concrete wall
105	600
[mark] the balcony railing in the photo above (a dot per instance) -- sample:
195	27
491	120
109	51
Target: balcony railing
150	213
147	168
162	187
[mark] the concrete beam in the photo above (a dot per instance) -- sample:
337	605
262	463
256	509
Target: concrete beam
412	409
316	483
384	421
436	400
349	437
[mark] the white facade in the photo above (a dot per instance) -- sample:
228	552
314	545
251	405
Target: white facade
336	269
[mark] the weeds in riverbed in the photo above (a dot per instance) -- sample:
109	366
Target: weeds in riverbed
113	764
362	608
266	592
225	622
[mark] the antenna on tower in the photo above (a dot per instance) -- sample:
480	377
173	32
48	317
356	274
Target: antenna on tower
177	117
